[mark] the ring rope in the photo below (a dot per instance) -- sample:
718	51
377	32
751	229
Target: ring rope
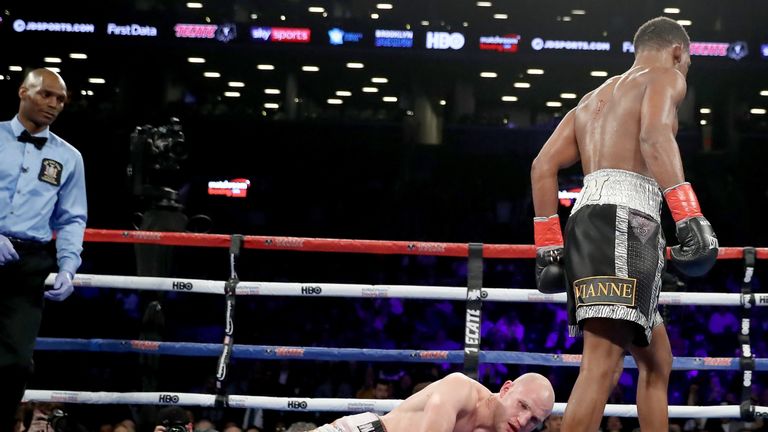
271	352
746	299
332	404
340	245
296	289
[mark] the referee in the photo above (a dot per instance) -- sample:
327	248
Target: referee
42	193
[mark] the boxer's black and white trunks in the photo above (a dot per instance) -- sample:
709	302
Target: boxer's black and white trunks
614	252
363	422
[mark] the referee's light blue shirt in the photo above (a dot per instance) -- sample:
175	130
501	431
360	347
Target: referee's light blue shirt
42	191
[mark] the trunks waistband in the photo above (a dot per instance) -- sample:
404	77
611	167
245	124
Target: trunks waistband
620	187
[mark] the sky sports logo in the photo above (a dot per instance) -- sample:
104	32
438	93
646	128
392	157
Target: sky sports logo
281	34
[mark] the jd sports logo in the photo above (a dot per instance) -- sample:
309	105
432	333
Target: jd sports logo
605	290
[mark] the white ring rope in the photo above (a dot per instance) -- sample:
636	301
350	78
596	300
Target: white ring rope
333	404
295	289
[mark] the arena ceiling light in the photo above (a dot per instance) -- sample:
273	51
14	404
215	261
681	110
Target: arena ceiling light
509	98
232	94
195	60
671	10
384	6
703	122
566	18
500	16
758	111
343	93
705	110
52	59
597	73
442	102
684	22
316	9
271	105
488	74
309	68
14	68
236	84
78	56
554	104
355	65
763	92
211	74
379	80
578	12
271	91
97	80
389	99
425	23
374	16
568	95
265	67
254	16
535	71
521	84
55	69
194	5
484	4
334	101
370	90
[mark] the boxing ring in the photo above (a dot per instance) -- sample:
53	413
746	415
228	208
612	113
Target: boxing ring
473	294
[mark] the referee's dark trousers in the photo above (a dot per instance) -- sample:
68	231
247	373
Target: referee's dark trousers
21	309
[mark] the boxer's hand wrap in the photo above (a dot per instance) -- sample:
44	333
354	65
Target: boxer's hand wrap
697	251
550	275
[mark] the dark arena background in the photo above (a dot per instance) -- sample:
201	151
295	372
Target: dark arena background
412	121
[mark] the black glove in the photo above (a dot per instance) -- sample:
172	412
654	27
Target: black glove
550	275
697	251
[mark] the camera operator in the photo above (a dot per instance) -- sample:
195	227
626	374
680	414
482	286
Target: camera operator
42	416
173	419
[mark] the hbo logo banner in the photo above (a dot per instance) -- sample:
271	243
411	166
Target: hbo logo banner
444	40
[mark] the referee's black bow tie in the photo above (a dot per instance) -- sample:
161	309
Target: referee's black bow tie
27	137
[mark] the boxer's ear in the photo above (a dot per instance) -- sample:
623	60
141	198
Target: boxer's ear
505	388
677	53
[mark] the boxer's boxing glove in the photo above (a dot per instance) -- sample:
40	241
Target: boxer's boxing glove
550	275
697	251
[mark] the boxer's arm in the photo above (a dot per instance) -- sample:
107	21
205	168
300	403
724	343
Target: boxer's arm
658	126
560	151
451	396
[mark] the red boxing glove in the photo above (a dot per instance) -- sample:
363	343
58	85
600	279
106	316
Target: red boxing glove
682	202
546	231
698	247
